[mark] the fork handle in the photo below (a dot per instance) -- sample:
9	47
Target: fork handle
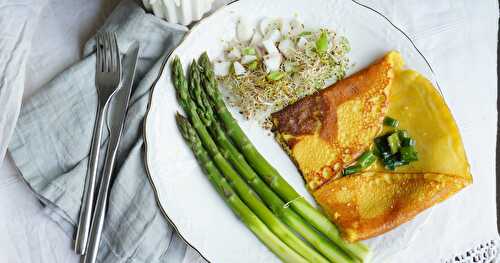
85	218
101	203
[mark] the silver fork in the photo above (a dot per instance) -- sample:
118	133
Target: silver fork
107	81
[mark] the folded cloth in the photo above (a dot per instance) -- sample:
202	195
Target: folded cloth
18	19
51	143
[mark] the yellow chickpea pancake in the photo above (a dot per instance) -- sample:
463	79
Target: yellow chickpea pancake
375	148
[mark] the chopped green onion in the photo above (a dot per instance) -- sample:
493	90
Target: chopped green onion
322	43
352	169
366	159
395	149
382	147
408	153
231	69
376	152
394	142
305	33
393	161
405	139
403	134
249	51
363	161
253	65
275	75
408	142
388	121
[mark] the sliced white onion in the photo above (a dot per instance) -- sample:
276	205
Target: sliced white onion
248	59
222	68
272	62
233	42
331	43
268	24
264	24
260	51
296	27
273	35
286	47
243	31
285	28
302	42
238	68
234	53
270	47
256	39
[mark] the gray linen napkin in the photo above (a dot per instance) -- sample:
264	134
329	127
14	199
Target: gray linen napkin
53	134
18	19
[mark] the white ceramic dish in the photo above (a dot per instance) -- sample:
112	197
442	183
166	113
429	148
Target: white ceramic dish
182	12
183	192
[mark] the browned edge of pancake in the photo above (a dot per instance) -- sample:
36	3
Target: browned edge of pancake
317	113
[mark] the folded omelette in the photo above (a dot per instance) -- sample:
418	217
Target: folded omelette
326	132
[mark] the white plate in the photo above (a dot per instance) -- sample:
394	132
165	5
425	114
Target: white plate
186	196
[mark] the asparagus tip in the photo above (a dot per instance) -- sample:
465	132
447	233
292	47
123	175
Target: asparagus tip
176	68
183	125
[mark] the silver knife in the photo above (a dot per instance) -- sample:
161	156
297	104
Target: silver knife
118	113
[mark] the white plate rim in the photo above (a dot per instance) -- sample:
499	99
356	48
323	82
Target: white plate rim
164	63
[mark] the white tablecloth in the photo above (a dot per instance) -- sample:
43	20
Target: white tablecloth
441	30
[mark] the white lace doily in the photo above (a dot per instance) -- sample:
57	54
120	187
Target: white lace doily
482	253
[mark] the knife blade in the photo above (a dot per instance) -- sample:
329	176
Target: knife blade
120	102
116	118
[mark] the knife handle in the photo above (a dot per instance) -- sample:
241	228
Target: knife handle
101	205
85	216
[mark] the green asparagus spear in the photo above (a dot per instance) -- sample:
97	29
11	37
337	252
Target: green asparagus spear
243	190
204	109
273	201
268	173
225	190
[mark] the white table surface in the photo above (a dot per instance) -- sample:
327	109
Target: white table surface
28	236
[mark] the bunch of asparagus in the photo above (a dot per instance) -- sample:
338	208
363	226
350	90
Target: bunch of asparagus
252	188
